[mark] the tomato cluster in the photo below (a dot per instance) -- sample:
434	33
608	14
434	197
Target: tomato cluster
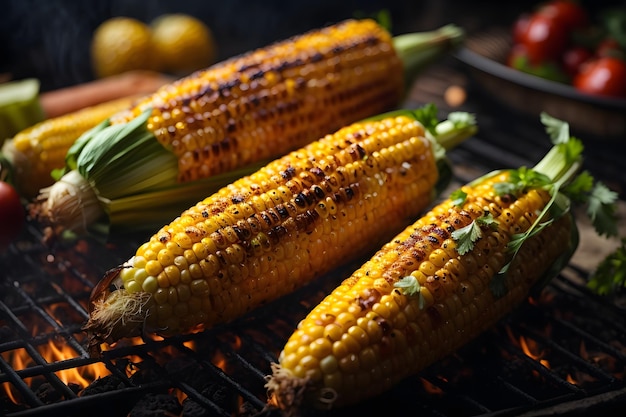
559	41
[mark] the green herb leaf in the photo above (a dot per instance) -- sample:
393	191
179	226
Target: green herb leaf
558	130
497	285
610	275
601	210
516	241
579	188
468	235
458	197
410	286
427	116
521	179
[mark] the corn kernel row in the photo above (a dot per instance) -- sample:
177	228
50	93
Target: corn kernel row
230	114
367	335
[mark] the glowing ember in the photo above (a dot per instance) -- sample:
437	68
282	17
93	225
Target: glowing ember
219	360
431	388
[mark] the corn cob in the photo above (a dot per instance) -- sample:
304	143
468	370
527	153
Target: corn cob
250	108
439	283
38	150
275	230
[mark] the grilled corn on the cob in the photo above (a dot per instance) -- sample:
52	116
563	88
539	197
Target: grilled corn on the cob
275	230
250	108
38	150
435	286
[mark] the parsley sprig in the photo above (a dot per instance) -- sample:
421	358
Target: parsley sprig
468	235
610	274
558	173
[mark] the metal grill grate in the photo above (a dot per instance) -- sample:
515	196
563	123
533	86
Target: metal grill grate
562	347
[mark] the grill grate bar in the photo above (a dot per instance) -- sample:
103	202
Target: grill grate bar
231	382
20	327
541	369
224	377
27	394
606	347
523	395
465	401
574	358
215	409
76	407
262	334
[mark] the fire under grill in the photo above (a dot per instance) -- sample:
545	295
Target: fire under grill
563	352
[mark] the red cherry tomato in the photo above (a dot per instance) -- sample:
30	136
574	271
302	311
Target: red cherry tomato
545	39
604	76
569	13
12	214
519	27
573	58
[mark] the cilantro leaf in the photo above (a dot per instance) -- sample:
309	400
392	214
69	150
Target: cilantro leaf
409	285
558	130
601	210
468	235
610	273
458	197
427	116
578	189
521	179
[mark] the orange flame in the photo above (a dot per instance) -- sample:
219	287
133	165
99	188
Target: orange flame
530	349
219	360
431	388
56	350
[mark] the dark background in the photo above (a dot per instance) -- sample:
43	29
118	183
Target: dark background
50	40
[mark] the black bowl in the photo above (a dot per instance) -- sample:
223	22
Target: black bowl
485	54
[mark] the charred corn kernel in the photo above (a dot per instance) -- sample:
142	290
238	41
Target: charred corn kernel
232	113
455	295
38	150
241	254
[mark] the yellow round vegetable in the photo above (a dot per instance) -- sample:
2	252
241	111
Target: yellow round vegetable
122	44
183	43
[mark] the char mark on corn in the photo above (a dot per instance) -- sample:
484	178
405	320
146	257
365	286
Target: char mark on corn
275	230
234	112
369	334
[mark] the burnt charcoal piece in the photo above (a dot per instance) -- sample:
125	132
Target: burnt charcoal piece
104	384
47	394
156	405
221	395
193	409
